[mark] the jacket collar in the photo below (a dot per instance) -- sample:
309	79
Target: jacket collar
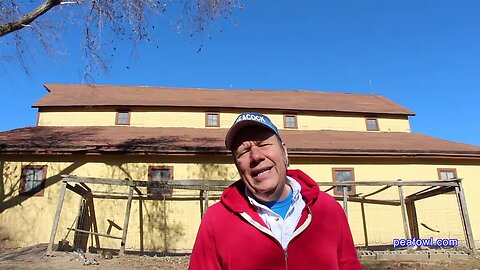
234	197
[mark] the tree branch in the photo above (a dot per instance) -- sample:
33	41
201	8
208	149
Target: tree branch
30	17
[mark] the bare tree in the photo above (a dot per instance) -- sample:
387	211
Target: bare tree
104	22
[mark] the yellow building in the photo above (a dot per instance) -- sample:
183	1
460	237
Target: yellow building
168	134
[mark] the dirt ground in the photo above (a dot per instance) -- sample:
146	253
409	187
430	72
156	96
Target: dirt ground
34	258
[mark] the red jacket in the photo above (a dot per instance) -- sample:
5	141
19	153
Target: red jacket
230	237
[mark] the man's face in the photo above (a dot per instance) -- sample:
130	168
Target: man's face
261	160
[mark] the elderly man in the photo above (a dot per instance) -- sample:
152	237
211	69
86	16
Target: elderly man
272	218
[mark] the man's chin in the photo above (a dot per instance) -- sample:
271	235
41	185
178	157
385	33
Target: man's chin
264	195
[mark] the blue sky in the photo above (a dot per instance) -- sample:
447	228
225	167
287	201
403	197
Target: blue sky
424	55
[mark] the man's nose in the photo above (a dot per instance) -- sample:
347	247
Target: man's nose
256	154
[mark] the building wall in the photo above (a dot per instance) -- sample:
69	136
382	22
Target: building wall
27	220
196	119
33	216
79	118
385	222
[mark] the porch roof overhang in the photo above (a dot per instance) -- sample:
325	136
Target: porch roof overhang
196	141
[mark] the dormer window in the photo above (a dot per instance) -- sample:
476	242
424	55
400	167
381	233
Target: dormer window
122	118
212	119
290	121
372	124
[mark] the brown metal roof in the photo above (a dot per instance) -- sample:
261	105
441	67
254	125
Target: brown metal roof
292	100
136	140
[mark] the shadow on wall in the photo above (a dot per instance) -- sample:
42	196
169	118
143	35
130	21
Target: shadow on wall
156	217
12	197
7	175
215	171
131	171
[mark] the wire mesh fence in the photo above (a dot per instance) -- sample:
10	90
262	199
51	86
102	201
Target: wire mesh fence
125	214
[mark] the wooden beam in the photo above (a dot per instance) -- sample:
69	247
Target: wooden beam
77	189
56	220
202	207
364	222
85	186
370	201
429	193
221	184
139	192
345	200
330	188
94	233
404	211
412	219
93	216
446	183
145	197
467	228
377	191
140	215
422	191
206	198
126	220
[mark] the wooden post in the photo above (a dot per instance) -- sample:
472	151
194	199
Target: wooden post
412	219
462	205
202	208
205	201
165	229
57	218
404	211
364	221
91	207
127	219
345	200
140	214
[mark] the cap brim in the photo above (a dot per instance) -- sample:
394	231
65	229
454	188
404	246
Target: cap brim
234	130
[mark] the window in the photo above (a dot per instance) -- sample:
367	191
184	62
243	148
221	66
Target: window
447	174
123	118
32	181
212	119
372	124
290	121
161	174
342	175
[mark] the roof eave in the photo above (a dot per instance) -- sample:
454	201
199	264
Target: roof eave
225	152
407	113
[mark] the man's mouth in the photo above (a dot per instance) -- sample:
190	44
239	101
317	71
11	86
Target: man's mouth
261	172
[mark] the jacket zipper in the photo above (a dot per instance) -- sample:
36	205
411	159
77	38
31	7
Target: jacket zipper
300	229
296	233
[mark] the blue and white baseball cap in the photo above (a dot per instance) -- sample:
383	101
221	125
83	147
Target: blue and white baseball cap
249	119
